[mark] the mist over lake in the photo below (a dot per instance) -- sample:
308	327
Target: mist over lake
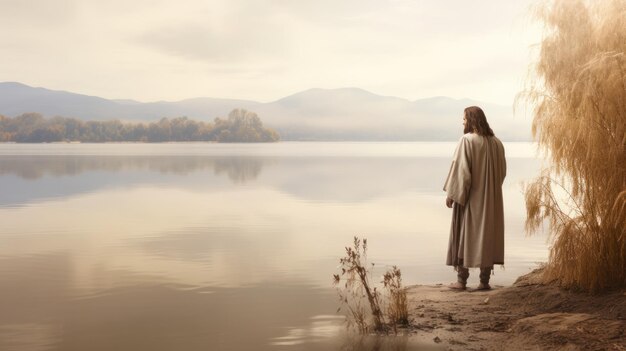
189	244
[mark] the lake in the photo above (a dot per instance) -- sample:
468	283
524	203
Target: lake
195	246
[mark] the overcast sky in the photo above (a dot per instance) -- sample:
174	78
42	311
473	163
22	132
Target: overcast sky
263	50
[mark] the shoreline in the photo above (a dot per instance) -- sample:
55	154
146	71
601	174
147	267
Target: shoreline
527	315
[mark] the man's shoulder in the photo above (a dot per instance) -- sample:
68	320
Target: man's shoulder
470	138
475	136
473	140
467	136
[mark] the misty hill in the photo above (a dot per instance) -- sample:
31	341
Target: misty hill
314	114
17	98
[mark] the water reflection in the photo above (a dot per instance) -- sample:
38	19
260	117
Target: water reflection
43	309
238	169
26	179
320	329
214	251
312	179
386	343
329	333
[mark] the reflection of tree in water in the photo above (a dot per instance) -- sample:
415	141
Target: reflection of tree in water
355	342
238	169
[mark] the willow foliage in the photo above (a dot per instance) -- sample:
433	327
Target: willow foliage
578	92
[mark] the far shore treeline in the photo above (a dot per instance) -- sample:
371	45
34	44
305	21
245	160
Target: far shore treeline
240	126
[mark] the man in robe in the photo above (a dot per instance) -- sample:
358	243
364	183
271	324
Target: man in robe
474	192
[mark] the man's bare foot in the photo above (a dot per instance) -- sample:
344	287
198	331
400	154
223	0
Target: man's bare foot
483	286
456	286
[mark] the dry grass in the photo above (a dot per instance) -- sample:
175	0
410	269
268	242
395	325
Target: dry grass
578	91
397	311
367	310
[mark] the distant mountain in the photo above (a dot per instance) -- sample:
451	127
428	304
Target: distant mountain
17	98
314	114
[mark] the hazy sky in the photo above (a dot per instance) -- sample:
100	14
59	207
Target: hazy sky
266	49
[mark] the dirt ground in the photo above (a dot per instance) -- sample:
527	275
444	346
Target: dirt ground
525	316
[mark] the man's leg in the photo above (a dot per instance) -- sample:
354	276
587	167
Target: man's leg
463	274
485	274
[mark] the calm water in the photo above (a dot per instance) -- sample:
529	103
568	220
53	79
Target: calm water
220	247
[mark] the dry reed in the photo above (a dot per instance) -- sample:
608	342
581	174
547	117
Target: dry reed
578	93
367	309
397	310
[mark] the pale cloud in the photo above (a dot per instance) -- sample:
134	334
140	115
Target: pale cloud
266	49
36	13
232	43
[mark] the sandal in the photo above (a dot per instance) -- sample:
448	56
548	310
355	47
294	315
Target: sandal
456	286
483	286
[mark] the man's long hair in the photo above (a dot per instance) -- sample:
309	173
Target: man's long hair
476	122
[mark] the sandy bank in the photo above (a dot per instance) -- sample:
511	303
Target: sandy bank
525	316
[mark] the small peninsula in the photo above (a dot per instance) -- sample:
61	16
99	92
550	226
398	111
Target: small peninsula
241	126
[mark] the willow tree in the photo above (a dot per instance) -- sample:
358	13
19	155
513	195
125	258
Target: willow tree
578	92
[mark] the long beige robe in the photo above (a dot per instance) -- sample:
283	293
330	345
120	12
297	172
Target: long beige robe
475	184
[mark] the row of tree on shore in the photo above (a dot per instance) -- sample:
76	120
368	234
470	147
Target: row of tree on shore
239	126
